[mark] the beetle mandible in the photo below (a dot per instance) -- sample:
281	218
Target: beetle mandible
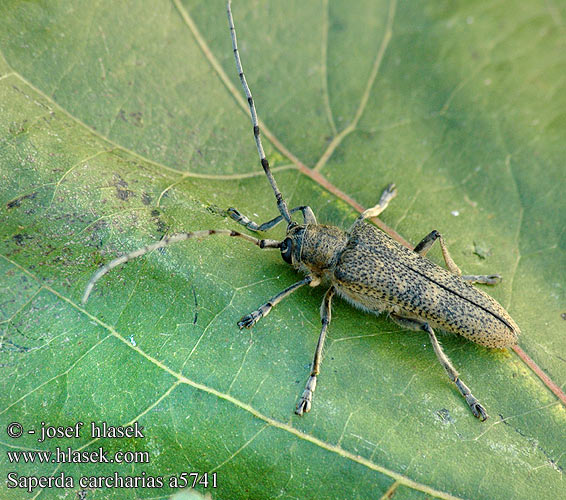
367	268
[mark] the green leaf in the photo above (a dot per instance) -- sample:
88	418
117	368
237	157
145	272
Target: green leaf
121	122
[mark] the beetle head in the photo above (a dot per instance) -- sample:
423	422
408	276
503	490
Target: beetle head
312	247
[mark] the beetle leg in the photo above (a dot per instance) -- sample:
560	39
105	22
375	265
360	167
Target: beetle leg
308	216
477	409
426	243
304	404
414	324
388	194
251	319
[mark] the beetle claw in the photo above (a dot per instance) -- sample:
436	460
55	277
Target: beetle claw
493	279
478	410
305	403
250	320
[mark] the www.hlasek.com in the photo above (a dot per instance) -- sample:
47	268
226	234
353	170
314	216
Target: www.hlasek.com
68	455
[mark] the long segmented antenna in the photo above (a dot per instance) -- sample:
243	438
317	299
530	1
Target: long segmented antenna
281	205
169	240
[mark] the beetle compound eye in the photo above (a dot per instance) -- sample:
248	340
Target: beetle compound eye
286	250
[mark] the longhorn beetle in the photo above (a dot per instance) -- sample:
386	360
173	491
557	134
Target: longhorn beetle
367	268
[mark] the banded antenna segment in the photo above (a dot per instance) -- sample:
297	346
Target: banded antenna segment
281	205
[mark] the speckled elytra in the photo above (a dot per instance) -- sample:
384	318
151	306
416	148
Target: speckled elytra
367	268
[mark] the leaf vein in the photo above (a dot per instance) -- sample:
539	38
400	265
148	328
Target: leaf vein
324	64
241	448
365	96
63	373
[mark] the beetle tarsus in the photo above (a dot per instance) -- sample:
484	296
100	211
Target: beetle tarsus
493	279
250	320
305	403
490	279
388	194
477	409
232	212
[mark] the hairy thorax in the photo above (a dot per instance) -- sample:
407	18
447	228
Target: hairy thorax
320	249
